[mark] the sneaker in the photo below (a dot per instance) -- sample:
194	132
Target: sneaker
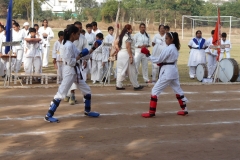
182	113
138	88
147	115
51	119
120	88
72	100
66	99
94	82
92	114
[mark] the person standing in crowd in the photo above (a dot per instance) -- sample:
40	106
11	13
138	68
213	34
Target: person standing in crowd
47	34
225	51
197	54
211	56
125	62
158	44
142	40
2	51
95	29
169	75
25	29
18	35
32	52
167	29
91	38
110	37
70	55
57	60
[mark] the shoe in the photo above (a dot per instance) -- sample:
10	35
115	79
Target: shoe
138	88
94	82
104	79
72	100
120	88
147	115
209	77
51	119
66	99
92	114
182	113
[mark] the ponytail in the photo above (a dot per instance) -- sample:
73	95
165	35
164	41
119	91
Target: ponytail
124	31
67	32
174	36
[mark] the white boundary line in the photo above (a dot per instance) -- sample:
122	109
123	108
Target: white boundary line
7	118
119	127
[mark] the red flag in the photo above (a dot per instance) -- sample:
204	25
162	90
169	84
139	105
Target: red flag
217	35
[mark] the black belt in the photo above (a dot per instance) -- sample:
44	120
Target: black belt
196	48
166	63
75	68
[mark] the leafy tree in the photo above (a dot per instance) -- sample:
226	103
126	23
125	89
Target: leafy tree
67	15
23	7
109	10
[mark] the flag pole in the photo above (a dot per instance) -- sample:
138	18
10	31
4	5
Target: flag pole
32	14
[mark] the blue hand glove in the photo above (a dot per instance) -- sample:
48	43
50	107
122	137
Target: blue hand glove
84	52
99	42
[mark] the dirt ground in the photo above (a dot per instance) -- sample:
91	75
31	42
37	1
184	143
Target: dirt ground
210	131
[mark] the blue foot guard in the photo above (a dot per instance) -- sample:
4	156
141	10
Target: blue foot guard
88	107
53	107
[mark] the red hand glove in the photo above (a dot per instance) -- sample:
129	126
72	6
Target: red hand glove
145	51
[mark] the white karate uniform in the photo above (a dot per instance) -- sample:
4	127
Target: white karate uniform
25	34
109	38
211	58
69	52
226	50
141	39
18	36
99	56
2	51
46	44
80	45
91	38
33	57
160	44
169	73
124	65
96	32
56	55
196	56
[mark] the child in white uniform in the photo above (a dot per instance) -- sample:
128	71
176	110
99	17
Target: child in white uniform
70	55
32	53
57	60
225	51
168	75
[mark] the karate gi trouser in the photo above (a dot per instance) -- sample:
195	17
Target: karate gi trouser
4	66
59	71
45	56
73	87
141	58
97	70
31	64
67	82
123	66
162	83
192	71
222	55
212	63
19	60
155	71
105	69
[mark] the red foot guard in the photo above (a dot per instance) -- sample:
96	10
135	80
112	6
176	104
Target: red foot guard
147	115
182	113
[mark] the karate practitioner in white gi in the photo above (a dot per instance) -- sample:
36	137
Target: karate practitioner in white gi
169	75
32	53
211	57
142	39
225	52
47	35
70	56
57	60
